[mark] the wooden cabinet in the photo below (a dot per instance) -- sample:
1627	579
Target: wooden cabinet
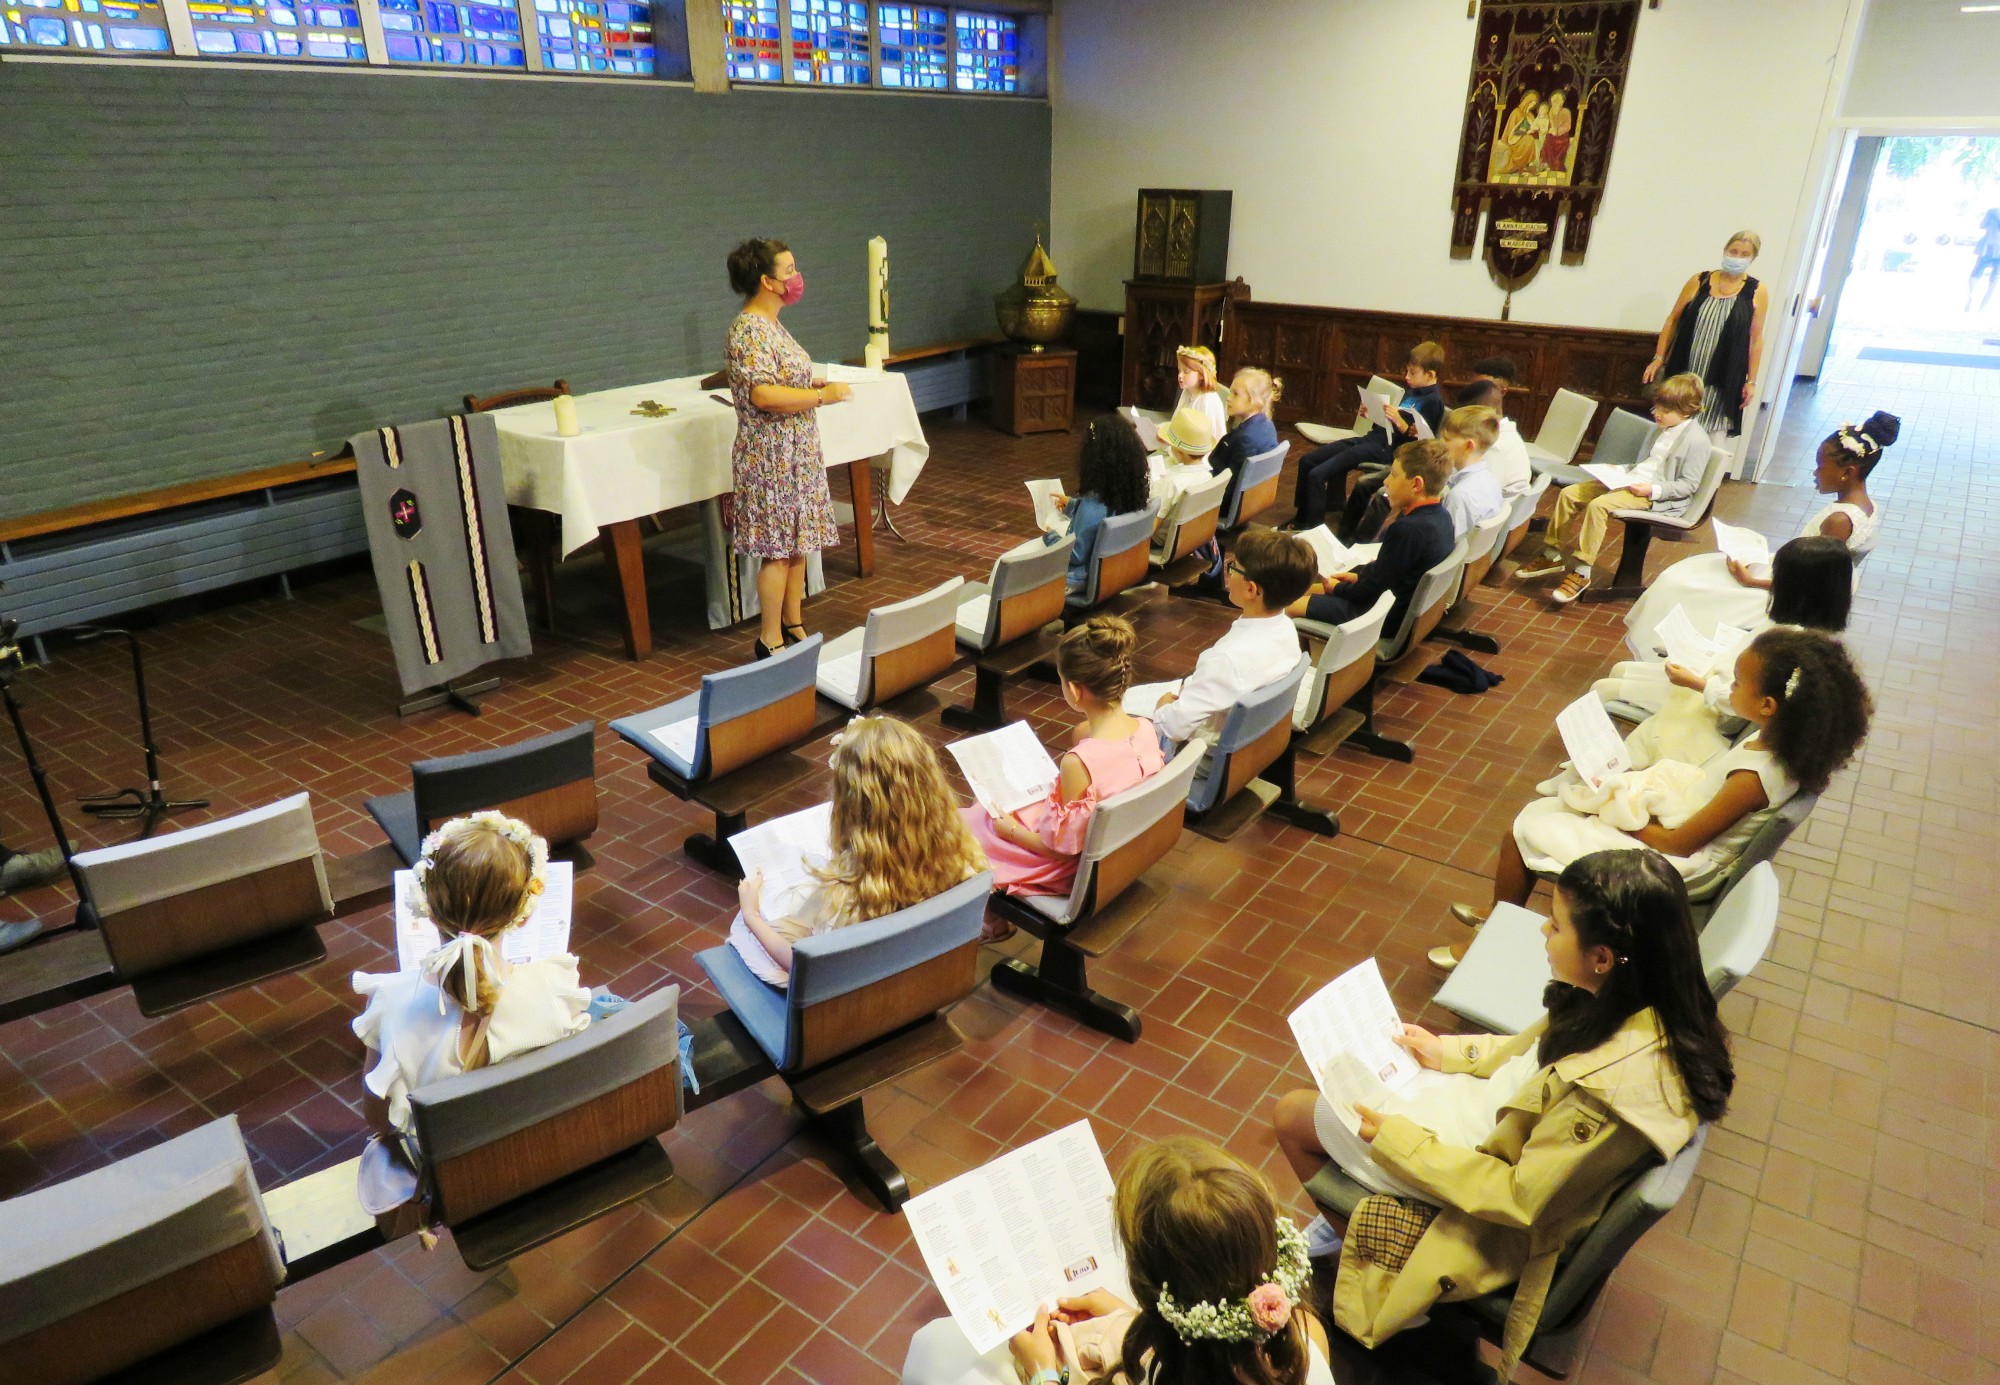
1033	391
1159	320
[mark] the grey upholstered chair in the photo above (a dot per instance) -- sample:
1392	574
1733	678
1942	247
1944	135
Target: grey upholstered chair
550	783
520	1152
163	1259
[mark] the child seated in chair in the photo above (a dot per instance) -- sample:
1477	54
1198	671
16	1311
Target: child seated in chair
897	840
1323	472
1527	1138
1471	493
1265	574
1809	711
1201	387
1417	539
1111	479
1687	714
1222	1282
1035	851
466	1006
1253	394
1665	482
1186	439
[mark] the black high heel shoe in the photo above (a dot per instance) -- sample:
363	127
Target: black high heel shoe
801	637
761	650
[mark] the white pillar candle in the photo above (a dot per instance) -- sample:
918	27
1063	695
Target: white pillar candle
566	423
878	303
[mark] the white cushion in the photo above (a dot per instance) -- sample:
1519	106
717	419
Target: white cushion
1499	984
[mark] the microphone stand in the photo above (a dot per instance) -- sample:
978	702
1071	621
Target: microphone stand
11	664
152	805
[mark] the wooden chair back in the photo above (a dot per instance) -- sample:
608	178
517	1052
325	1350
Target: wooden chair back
498	1133
169	899
751	736
550	783
507	399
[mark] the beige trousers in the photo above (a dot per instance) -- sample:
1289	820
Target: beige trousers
1582	512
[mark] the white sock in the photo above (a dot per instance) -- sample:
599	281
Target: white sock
1583	570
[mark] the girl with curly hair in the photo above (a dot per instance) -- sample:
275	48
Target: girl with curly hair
1220	1276
897	840
1808	711
1111	479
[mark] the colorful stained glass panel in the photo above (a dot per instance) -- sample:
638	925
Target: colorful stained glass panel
754	53
90	26
830	42
601	36
988	53
452	34
277	29
914	42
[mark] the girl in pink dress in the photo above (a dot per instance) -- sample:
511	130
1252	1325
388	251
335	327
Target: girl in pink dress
1034	851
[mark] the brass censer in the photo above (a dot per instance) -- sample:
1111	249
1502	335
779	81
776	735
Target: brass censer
1036	310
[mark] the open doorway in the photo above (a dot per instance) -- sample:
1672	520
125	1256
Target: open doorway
1921	262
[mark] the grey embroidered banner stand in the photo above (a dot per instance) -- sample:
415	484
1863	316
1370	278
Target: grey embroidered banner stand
436	511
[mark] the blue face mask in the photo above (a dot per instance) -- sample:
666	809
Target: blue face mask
1735	264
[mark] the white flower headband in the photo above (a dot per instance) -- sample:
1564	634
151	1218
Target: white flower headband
513	829
1855	441
1260	1314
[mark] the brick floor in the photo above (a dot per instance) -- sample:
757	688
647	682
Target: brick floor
1842	1224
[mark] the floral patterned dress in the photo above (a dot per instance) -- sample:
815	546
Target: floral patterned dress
783	507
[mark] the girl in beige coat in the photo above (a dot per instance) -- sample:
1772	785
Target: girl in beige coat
1630	1058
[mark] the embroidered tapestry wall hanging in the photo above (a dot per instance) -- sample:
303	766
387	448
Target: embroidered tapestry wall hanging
1541	112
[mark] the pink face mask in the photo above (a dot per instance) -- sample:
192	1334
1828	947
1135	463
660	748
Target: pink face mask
795	289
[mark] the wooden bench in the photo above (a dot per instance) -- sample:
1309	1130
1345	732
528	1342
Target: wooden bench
73	964
107	557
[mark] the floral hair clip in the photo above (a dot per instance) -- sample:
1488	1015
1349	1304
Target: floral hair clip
1855	441
1258	1315
1792	683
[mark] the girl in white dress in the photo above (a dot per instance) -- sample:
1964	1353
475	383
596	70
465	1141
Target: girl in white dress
1808	711
1812	588
466	1006
1720	591
1201	388
1220	1276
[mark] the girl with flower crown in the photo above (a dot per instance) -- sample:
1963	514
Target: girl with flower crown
1715	590
1220	1276
1518	1151
466	1006
1808	711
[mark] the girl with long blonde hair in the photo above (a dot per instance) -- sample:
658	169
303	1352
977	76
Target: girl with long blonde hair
896	839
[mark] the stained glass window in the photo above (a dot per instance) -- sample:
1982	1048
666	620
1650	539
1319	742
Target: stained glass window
610	36
278	29
754	44
915	45
452	34
96	26
830	42
988	52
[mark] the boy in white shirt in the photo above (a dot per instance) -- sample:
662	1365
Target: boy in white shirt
1472	496
1507	459
1267	572
1664	482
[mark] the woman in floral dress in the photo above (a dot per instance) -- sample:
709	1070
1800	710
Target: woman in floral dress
783	510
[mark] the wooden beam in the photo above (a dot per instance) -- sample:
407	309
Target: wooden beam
707	41
170	497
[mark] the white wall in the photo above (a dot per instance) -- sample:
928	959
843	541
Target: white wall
1924	59
1335	123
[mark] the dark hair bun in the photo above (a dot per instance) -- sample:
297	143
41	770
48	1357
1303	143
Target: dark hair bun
1881	429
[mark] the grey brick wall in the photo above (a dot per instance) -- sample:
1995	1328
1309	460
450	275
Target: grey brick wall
204	272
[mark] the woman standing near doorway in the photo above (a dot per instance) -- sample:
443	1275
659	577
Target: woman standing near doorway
1716	330
783	509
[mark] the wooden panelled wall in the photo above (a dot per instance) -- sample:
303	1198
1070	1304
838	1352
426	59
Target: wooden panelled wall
1325	354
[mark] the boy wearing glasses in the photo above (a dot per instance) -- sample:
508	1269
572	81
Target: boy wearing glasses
1267	572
